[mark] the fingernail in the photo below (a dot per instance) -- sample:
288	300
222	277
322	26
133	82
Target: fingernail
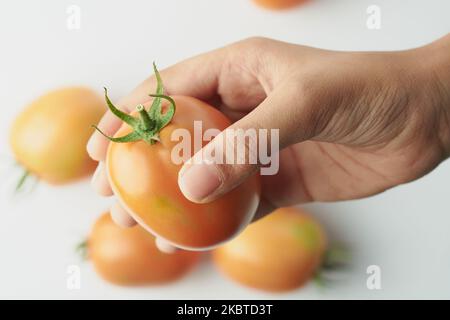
199	181
164	246
90	146
97	147
94	178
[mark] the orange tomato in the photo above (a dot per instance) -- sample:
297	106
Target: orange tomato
129	256
49	137
278	4
279	252
144	176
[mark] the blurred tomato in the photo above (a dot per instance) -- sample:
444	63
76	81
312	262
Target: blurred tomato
129	256
280	252
49	137
278	4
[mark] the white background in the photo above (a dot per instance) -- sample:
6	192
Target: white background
405	230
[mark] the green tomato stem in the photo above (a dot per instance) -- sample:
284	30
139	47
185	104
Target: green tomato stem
145	117
22	180
82	249
147	126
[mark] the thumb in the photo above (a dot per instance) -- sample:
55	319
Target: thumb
229	159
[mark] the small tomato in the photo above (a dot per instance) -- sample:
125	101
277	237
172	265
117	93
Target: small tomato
129	256
278	4
49	137
278	252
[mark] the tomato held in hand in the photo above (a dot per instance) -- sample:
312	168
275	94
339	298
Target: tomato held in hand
145	179
279	252
129	256
49	137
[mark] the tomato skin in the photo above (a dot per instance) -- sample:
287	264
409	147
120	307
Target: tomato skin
48	138
278	4
145	180
280	252
129	256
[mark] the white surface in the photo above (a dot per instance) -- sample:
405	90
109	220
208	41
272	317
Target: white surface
405	231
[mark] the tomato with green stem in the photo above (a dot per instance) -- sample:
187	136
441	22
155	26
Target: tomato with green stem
279	252
49	137
129	256
144	176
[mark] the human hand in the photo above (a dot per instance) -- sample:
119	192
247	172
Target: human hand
351	124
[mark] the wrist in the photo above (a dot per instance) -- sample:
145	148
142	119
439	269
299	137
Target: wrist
436	62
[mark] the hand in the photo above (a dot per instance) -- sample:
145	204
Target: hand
351	124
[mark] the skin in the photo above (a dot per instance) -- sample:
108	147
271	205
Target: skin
48	138
351	124
129	256
277	253
145	181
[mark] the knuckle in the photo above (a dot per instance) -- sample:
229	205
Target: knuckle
252	44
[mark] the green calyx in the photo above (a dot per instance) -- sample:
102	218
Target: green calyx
149	123
83	249
23	178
